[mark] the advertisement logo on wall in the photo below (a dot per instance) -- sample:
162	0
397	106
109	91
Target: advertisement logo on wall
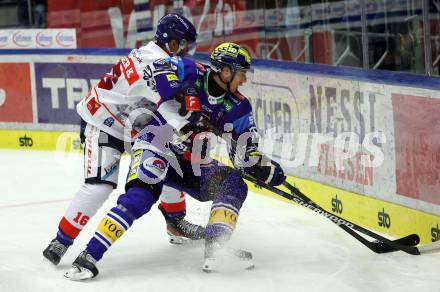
384	219
22	39
60	86
44	39
65	39
37	38
15	93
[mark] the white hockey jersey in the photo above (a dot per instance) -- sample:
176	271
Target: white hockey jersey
121	103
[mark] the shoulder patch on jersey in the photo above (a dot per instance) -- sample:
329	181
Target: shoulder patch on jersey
162	65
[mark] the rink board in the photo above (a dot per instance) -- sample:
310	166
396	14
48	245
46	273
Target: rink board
384	217
294	103
39	140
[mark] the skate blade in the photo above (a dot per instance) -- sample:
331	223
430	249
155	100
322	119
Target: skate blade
78	274
179	240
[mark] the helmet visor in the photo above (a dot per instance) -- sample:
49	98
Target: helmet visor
192	46
188	48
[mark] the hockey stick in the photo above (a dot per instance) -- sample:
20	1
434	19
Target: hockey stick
382	245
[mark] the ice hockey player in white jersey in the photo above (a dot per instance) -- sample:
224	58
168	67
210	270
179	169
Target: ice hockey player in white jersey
208	103
112	115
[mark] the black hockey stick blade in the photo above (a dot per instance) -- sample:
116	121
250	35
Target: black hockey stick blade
409	240
301	199
380	247
347	225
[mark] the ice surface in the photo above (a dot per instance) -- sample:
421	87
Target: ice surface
294	249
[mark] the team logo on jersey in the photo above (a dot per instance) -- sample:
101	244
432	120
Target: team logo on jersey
109	121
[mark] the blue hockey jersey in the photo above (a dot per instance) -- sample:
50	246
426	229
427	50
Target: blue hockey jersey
230	113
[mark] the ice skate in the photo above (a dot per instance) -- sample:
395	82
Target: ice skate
222	258
83	268
55	251
182	231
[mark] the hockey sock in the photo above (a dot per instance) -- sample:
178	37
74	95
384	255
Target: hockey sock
222	221
84	205
225	208
173	203
132	205
112	226
64	238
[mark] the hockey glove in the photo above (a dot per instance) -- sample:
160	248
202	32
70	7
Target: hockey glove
270	173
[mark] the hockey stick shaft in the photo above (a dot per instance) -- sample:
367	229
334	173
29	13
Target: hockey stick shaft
301	199
347	227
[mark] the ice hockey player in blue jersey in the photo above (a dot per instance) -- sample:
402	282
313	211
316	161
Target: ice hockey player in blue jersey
174	149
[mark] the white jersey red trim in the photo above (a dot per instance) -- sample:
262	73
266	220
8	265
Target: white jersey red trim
123	98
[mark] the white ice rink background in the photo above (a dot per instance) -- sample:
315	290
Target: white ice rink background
294	249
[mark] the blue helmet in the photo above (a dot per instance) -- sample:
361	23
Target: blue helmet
175	26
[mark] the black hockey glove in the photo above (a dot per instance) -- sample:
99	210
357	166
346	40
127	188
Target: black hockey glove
270	173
